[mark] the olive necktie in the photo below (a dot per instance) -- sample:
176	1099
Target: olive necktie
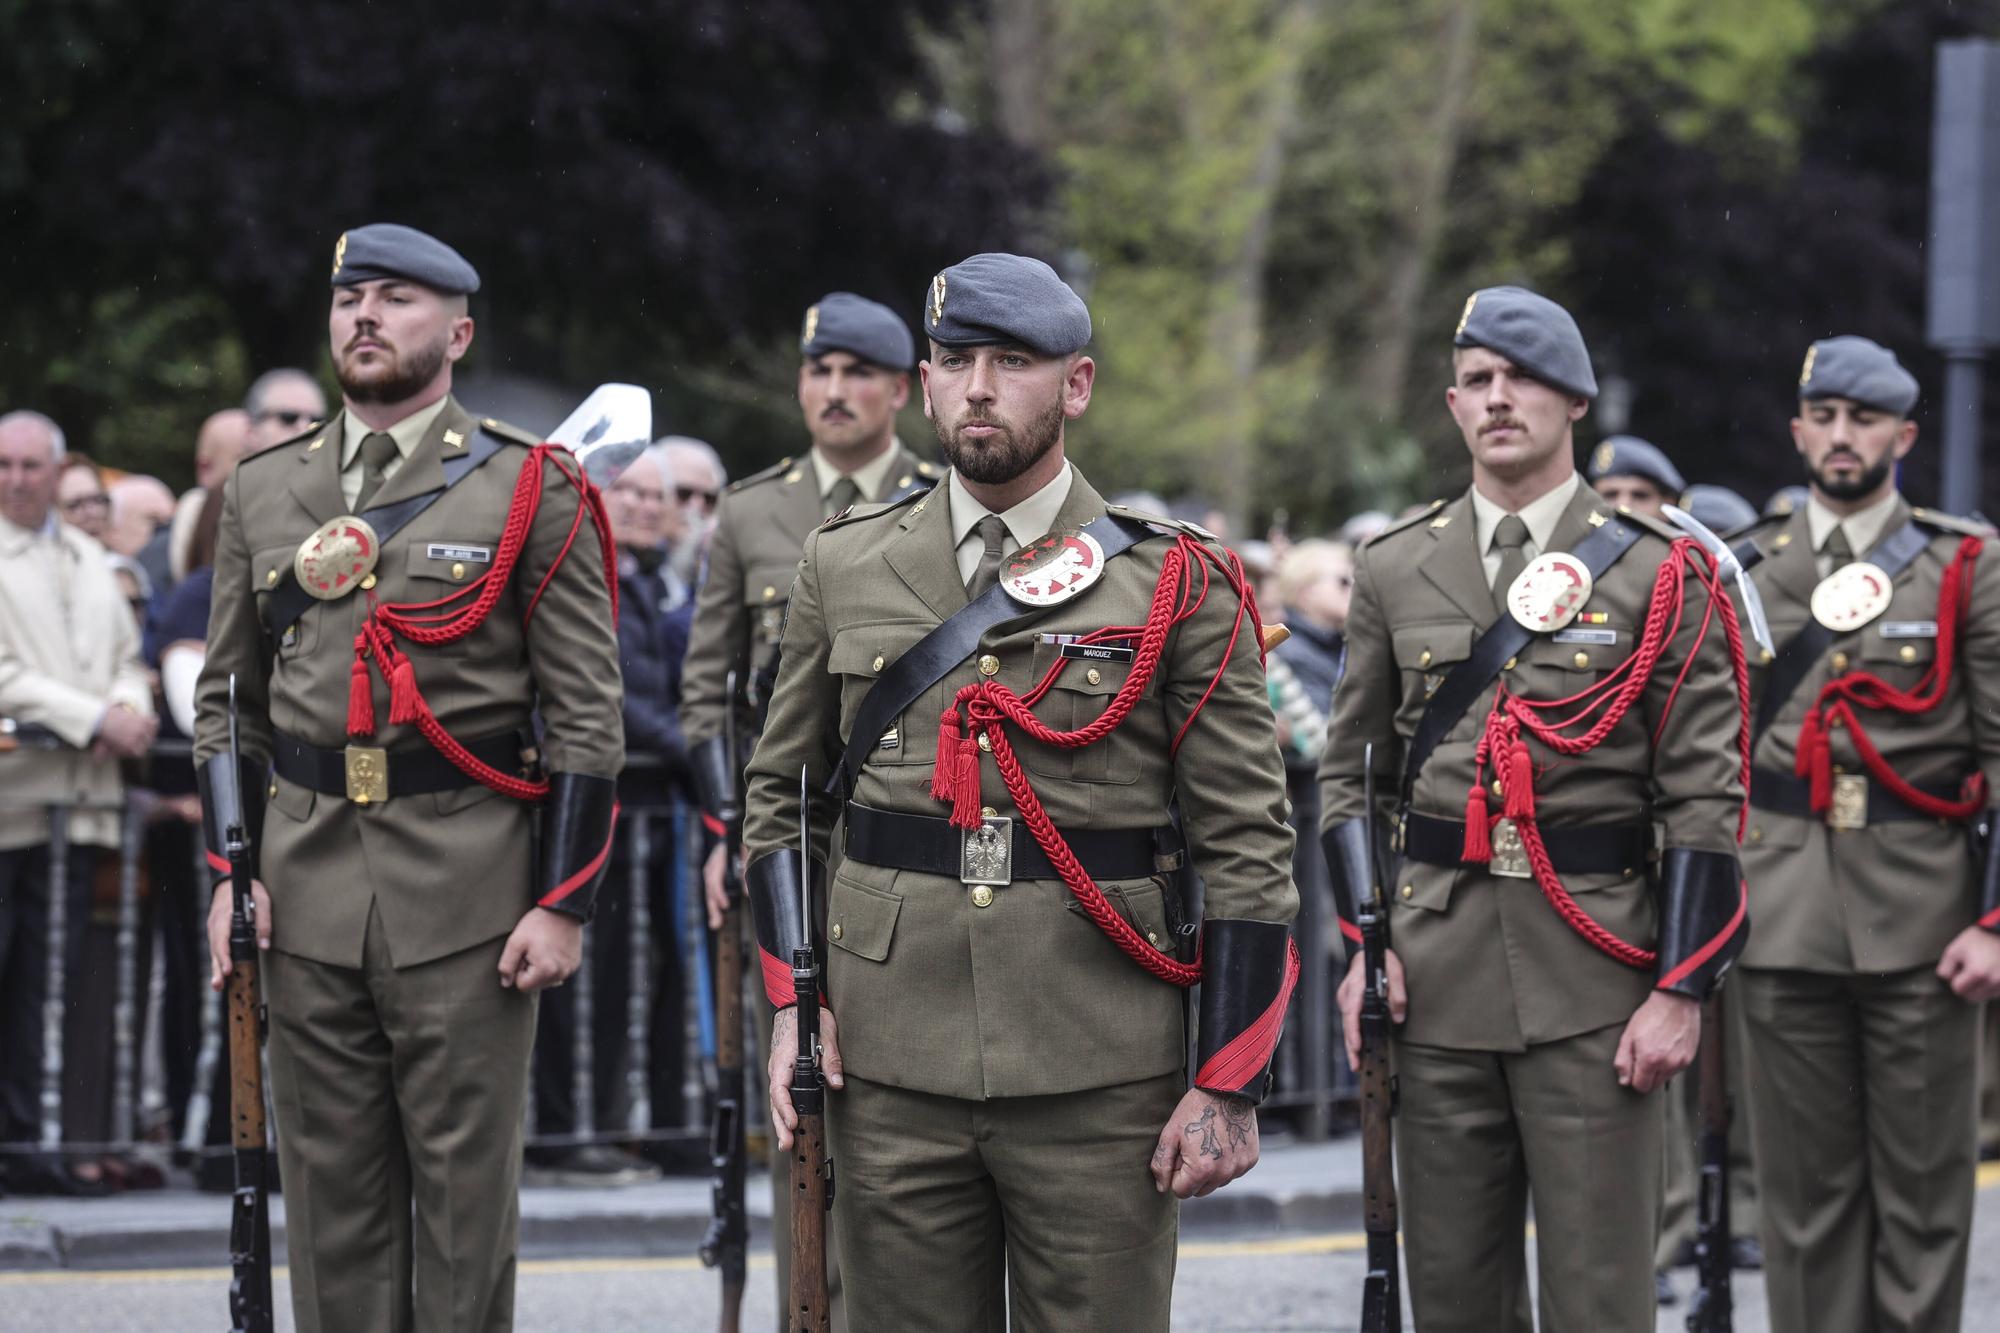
1837	551
842	497
1510	538
991	531
378	450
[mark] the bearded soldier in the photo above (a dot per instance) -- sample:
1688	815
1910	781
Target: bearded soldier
396	592
1877	748
1002	685
1550	677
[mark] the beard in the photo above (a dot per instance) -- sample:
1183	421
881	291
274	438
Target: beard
395	381
1863	484
999	459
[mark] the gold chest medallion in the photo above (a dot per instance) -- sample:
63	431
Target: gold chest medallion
332	562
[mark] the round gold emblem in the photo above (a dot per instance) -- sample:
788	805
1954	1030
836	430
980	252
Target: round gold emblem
335	559
1851	596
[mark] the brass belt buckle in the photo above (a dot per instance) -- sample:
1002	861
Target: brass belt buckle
367	774
986	853
1850	802
1510	855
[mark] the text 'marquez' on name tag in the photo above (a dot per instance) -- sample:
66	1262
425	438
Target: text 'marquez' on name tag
478	555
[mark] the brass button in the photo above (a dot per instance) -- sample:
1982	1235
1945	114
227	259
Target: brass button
1756	834
878	663
1764	656
1907	653
770	593
367	582
836	931
1782	540
1424	660
1153	938
1094	676
1581	659
271	579
989	665
985	742
1512	662
982	895
274	790
1840	661
1834	723
1409	889
457	570
1496	786
988	812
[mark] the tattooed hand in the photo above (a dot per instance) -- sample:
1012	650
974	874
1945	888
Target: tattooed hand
784	1052
1210	1140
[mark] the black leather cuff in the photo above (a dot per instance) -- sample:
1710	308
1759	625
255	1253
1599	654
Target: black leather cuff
772	886
715	778
1247	975
229	793
1989	870
1704	920
579	820
1346	848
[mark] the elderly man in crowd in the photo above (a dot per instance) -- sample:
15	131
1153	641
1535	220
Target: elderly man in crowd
282	403
694	477
223	440
72	683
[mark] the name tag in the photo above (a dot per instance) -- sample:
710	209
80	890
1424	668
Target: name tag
1067	646
1574	635
478	555
1909	629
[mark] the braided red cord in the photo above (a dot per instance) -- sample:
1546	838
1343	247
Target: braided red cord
439	622
1840	697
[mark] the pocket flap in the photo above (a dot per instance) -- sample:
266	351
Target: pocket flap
1425	647
270	565
861	920
769	585
869	650
1906	646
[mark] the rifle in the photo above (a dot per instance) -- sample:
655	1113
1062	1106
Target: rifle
1712	1309
250	1309
1381	1303
725	1247
812	1173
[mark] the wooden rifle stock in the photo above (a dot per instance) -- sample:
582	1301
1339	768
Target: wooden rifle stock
250	1308
1713	1307
810	1308
1381	1299
726	1245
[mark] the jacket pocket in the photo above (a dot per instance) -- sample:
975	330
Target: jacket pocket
861	920
857	657
291	800
1078	698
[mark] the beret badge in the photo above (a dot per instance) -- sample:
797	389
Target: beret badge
812	324
1805	374
937	299
1607	454
1465	315
339	253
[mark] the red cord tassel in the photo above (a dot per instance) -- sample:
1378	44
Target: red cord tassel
1478	841
965	786
1821	775
1811	736
944	777
360	697
1520	782
404	701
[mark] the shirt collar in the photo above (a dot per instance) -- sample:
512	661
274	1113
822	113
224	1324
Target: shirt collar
13	536
1540	514
1026	521
407	433
1863	526
869	476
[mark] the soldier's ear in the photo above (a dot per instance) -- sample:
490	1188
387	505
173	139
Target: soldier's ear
924	376
1906	436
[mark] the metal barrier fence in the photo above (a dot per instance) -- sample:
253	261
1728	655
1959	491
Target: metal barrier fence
1313	1082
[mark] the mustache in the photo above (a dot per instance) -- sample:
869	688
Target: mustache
1502	423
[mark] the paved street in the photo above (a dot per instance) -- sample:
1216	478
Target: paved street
1232	1280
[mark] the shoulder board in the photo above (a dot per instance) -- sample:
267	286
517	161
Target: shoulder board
315	433
1952	523
1659	527
500	430
857	513
1407	522
1195	530
776	469
1755	527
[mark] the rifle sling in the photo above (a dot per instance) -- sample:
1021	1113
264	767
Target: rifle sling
288	600
954	640
1795	660
1503	639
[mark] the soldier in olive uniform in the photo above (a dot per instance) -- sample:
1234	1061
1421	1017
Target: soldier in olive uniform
1003	1068
1531	1057
1876	914
410	915
854	376
1635	473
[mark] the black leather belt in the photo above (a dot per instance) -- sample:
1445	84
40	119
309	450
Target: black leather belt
933	846
386	773
1589	849
1783	794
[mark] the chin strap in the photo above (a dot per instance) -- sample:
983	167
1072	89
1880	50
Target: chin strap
1248	971
578	822
227	794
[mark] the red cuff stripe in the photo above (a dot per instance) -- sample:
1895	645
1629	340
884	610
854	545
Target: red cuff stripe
1250	1050
589	872
216	863
714	825
1707	951
1350	930
777	981
1991	921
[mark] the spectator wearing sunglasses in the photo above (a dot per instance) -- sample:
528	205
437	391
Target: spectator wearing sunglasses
81	498
282	403
694	478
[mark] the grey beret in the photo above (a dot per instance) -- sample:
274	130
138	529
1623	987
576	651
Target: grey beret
1630	456
995	298
1860	369
1785	499
844	322
1533	332
1718	508
390	250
